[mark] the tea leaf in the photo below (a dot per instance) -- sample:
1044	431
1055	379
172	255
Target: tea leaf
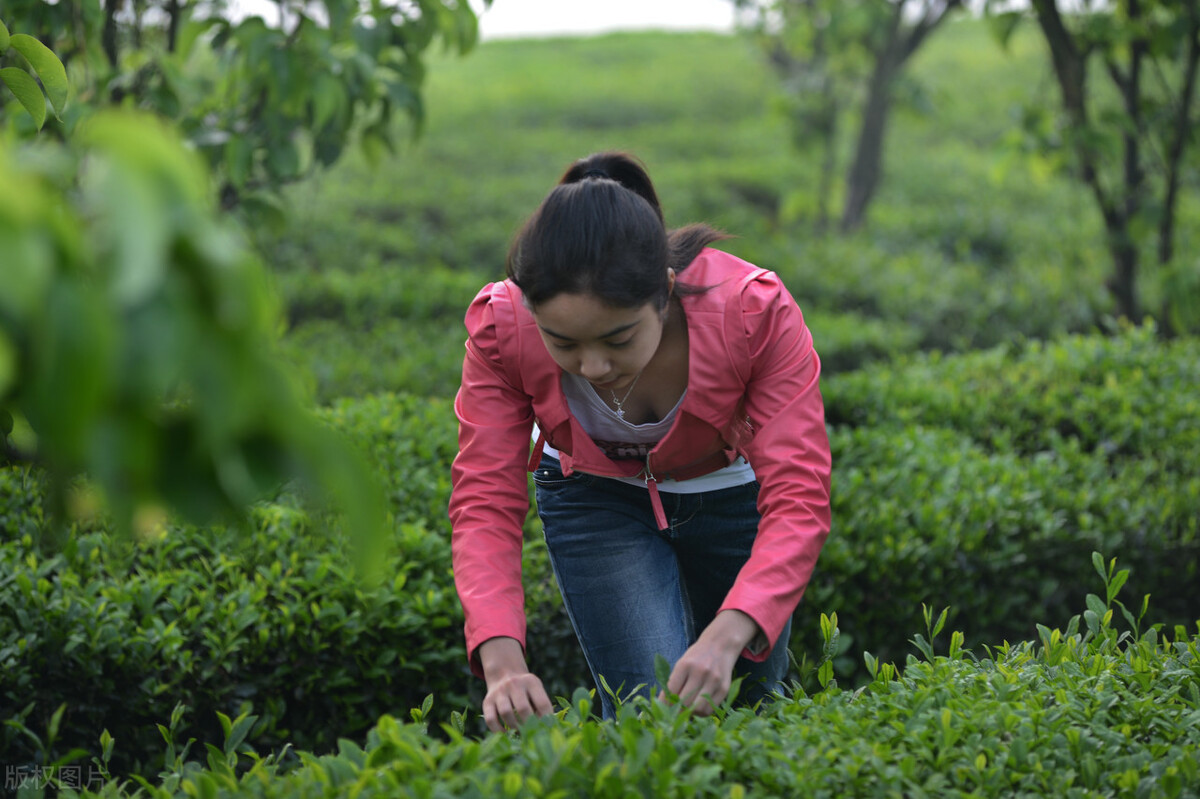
662	671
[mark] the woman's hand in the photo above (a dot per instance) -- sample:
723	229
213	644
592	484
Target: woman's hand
701	678
514	693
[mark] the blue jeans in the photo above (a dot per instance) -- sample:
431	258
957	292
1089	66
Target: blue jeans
632	591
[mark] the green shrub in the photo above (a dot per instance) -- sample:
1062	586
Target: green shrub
926	515
849	341
272	624
265	619
388	355
366	296
1081	712
982	479
953	303
268	620
1127	396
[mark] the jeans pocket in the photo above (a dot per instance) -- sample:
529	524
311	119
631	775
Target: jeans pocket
552	478
549	475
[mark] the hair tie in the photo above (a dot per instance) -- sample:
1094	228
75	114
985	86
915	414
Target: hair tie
595	173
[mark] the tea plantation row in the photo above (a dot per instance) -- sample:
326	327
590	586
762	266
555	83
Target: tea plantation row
1083	713
366	329
981	482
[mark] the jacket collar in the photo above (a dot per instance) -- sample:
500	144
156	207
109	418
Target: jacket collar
709	413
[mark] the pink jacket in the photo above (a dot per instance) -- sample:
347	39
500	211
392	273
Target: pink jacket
752	390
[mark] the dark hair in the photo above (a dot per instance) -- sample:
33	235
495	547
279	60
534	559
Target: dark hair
600	231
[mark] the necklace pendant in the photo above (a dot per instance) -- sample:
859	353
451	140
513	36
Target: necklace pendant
620	413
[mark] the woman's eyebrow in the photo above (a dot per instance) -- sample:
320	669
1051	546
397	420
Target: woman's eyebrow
615	331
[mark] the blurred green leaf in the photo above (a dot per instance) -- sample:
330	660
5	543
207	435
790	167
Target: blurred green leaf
283	160
662	671
329	98
4	37
239	159
147	347
137	229
70	387
27	92
49	69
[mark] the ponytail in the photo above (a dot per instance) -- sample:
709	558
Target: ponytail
601	231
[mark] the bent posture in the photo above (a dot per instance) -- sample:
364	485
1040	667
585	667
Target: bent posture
681	461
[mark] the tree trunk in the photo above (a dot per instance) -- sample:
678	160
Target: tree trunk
1070	68
1123	284
829	131
173	14
108	37
1180	135
825	182
1126	258
1179	139
864	173
863	177
867	168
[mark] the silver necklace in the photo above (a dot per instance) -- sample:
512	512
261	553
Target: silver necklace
620	402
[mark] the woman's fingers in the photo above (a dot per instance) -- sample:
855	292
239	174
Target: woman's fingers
541	701
491	713
513	700
702	676
702	693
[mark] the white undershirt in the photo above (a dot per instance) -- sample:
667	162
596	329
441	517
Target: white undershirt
623	440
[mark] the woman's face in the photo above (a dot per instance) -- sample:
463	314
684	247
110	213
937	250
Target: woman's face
608	346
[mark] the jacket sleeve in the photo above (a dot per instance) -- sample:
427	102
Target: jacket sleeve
789	453
489	498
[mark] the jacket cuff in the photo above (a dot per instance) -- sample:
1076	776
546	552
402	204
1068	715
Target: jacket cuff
761	645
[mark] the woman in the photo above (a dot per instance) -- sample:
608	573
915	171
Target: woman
681	461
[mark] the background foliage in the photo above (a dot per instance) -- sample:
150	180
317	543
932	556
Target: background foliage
265	101
992	426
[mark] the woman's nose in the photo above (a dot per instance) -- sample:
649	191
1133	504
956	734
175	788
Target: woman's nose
593	366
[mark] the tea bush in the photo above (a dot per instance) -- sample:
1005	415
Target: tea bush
372	291
390	354
1078	712
928	515
928	507
850	340
1128	396
982	478
264	618
952	302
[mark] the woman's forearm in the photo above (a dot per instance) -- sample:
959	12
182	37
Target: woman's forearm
501	657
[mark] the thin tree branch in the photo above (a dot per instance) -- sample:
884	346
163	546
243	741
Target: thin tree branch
1114	72
1166	234
1070	68
173	13
108	37
1131	93
928	23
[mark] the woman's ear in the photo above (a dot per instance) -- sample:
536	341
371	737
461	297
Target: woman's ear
670	289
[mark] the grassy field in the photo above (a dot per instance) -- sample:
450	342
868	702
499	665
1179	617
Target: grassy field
969	243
